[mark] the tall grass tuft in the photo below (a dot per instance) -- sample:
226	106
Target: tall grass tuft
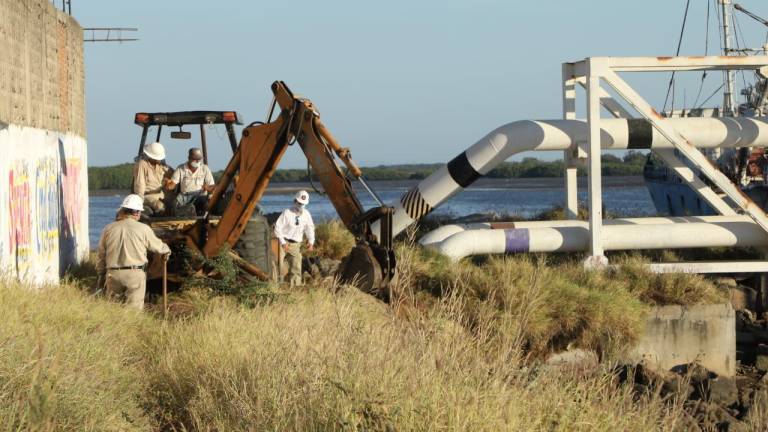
333	240
548	307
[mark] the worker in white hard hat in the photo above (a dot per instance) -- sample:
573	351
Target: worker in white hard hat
290	228
150	175
122	259
195	182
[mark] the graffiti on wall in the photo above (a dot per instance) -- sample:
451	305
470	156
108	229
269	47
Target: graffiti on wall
71	195
47	207
19	215
43	203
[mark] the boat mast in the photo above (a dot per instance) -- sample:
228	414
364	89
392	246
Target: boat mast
729	105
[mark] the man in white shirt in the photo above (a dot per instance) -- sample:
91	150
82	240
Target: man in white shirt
290	228
195	181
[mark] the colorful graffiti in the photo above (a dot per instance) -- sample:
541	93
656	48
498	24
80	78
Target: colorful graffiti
72	196
43	203
19	215
47	207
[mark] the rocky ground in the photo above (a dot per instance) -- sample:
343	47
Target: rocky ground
714	402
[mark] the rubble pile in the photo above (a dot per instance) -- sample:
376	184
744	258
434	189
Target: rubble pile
711	402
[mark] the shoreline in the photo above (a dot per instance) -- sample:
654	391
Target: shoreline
494	183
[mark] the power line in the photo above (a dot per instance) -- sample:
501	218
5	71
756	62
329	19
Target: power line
677	53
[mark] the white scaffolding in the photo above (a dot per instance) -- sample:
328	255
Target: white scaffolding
592	73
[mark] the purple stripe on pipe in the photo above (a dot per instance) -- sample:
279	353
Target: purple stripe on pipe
518	240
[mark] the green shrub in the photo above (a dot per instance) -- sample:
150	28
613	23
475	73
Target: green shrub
333	240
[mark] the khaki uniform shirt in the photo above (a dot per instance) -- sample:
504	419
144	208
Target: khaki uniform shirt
189	181
125	243
148	178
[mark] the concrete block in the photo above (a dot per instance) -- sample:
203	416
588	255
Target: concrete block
678	335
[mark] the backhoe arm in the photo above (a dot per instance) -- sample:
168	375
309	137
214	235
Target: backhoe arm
372	263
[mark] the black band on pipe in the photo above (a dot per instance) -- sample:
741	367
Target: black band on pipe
640	134
414	204
461	171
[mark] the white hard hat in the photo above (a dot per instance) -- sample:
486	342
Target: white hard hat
302	197
133	202
155	151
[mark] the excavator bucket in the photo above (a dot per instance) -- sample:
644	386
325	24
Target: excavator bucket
369	268
371	264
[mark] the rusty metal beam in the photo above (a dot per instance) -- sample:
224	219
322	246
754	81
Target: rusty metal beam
691	63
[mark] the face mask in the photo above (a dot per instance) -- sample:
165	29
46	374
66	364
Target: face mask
194	164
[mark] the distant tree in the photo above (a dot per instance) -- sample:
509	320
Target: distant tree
609	158
120	176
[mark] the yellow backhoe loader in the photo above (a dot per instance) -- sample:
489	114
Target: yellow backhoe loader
231	207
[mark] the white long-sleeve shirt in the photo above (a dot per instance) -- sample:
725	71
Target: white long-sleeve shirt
293	224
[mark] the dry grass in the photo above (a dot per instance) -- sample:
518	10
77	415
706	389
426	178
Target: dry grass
319	361
458	350
69	362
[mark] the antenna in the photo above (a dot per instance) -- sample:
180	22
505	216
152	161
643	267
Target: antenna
66	6
729	105
107	34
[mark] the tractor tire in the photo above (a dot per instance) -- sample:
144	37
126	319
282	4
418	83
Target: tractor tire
254	244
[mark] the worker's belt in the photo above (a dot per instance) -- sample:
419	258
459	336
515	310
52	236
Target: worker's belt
136	267
291	241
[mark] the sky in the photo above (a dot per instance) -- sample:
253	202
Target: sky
396	81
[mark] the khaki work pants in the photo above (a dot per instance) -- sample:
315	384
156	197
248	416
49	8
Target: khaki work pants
292	262
155	203
127	286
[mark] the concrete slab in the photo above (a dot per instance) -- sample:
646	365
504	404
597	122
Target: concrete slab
676	335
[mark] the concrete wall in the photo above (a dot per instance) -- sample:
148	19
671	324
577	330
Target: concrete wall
678	335
43	152
42	77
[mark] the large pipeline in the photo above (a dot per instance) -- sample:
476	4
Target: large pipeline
615	237
437	235
526	135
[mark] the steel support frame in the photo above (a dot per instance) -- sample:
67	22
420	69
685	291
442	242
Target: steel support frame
597	257
570	155
670	159
590	72
711	267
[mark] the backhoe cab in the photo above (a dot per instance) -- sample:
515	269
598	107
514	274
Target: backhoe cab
371	263
180	119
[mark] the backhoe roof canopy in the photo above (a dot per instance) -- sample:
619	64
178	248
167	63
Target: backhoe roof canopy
181	118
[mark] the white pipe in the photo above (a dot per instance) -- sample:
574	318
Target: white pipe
525	135
441	233
615	237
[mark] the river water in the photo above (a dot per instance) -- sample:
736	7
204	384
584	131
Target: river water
622	196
